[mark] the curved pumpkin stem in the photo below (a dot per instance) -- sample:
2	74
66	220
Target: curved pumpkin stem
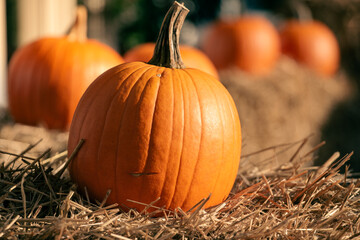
167	51
78	31
302	11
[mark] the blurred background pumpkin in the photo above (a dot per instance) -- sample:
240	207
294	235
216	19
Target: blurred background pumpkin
191	56
249	42
47	77
309	41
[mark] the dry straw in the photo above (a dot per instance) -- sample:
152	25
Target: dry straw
289	201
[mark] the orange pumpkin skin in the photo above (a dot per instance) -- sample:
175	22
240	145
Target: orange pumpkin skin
313	44
192	57
47	78
249	42
155	132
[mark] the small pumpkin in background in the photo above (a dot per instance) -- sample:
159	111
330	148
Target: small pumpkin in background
48	77
249	42
156	131
311	43
191	56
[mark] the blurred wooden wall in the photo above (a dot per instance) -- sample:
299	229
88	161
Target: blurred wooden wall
38	18
3	54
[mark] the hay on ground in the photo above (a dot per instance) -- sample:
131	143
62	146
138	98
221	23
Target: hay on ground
288	201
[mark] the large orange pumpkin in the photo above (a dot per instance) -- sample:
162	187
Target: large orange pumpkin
192	57
156	130
48	77
311	43
249	42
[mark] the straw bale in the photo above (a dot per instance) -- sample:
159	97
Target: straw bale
289	104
